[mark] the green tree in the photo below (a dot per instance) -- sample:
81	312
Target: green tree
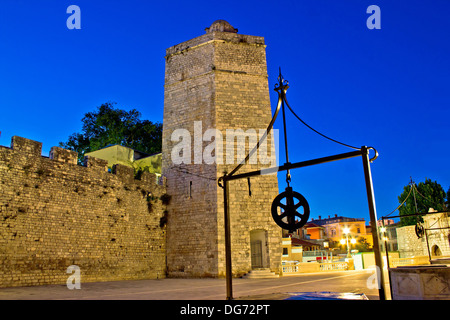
448	199
108	126
419	198
362	245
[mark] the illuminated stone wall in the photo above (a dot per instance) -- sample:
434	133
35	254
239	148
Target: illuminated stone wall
55	213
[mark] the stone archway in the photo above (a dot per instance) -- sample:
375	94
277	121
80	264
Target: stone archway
436	251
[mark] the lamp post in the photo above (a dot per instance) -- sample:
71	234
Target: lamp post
353	241
346	232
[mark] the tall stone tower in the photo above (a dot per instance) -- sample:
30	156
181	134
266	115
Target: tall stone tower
216	84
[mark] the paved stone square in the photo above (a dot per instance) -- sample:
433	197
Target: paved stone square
200	289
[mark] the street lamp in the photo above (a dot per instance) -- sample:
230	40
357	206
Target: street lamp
346	232
353	241
384	237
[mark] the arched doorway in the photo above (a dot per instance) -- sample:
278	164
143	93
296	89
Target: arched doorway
436	251
258	249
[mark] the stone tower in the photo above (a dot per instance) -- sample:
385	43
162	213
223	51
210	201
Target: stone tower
214	83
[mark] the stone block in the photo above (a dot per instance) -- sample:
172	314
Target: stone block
33	148
429	282
63	155
123	172
91	162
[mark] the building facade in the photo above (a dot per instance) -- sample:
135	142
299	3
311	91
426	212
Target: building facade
216	85
435	242
337	228
139	161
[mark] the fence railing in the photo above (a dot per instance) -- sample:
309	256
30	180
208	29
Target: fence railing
333	266
315	253
412	261
290	267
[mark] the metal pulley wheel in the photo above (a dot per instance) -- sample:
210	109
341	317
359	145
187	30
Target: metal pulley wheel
291	216
420	230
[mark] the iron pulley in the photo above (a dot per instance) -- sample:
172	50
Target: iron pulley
420	230
290	210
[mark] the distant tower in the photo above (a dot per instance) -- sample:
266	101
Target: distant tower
216	81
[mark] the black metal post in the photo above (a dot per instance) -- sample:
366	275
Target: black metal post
385	243
373	221
387	254
288	173
428	246
226	217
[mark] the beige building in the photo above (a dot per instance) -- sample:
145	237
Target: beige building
117	154
294	248
338	228
435	242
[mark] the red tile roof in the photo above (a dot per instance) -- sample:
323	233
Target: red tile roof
304	243
312	225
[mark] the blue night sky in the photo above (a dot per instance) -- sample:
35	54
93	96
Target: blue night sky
386	88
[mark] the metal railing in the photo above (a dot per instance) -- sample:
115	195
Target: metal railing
315	253
290	267
411	261
334	266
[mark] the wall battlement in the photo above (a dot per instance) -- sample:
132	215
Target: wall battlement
55	213
34	149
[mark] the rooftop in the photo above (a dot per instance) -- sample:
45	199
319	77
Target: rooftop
301	242
221	26
334	219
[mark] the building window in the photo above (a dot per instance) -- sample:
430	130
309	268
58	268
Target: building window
190	190
285	252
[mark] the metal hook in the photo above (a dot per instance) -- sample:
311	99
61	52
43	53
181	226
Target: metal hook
288	178
376	154
219	182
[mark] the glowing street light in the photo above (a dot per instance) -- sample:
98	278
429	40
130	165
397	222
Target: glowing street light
346	231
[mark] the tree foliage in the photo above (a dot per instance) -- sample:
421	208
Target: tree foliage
108	126
419	199
362	245
448	199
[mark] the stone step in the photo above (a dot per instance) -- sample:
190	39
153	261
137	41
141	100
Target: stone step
260	273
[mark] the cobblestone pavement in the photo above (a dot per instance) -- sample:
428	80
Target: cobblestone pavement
201	289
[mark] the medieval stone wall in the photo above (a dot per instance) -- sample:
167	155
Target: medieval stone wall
55	213
435	242
408	243
219	81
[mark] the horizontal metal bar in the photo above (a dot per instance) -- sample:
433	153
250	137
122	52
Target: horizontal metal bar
437	228
412	214
289	166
